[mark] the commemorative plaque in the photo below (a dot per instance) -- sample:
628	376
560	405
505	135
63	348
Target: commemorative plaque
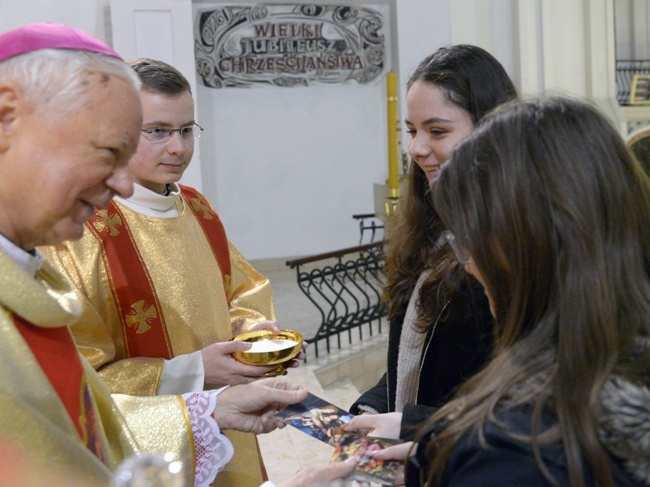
288	45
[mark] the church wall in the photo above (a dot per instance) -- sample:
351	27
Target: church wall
287	168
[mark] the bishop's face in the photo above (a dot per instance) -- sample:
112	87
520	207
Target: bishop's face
56	170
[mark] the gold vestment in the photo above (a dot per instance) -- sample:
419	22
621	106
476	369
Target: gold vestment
33	417
189	287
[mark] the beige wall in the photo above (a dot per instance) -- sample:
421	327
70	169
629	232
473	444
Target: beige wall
286	168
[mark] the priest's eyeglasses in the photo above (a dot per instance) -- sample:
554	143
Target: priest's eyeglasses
460	252
157	135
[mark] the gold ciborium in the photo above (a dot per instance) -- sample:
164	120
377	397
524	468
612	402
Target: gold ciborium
270	349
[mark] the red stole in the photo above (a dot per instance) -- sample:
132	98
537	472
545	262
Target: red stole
142	321
56	353
213	230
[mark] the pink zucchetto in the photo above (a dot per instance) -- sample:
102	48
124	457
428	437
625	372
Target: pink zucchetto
33	37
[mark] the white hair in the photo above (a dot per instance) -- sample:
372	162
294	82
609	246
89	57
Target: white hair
56	80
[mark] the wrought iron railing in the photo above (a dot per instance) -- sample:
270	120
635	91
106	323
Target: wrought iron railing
369	223
625	70
346	288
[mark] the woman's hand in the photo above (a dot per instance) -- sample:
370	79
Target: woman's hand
315	476
385	425
397	452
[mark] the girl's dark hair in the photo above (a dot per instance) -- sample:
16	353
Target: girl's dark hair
475	81
554	210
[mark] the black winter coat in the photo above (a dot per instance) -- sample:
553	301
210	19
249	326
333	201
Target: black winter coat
624	429
457	349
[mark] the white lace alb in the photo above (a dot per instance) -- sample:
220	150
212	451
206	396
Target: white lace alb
212	449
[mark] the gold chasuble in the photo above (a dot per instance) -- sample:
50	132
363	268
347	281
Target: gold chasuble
68	421
153	288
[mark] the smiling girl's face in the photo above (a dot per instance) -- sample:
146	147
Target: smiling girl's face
435	126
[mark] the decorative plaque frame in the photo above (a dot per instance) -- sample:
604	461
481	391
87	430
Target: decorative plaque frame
288	45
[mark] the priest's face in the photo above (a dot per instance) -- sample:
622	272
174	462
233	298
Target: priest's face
55	170
158	163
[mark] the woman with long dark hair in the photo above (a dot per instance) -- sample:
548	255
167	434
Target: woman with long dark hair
550	212
440	325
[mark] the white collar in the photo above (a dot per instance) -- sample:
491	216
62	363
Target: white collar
31	263
151	203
